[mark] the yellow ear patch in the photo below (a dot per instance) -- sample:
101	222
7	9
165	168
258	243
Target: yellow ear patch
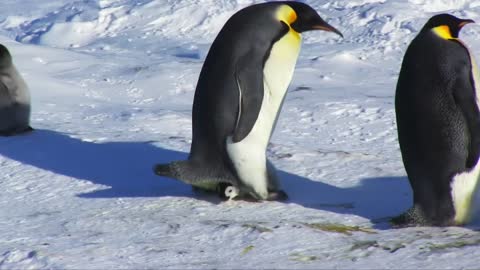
443	31
287	14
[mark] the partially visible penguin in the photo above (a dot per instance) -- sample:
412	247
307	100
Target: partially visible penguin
14	98
238	98
438	120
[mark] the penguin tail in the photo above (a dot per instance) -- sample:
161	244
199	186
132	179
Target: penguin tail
166	170
193	174
162	170
176	169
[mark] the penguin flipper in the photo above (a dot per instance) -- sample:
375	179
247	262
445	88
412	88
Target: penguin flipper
464	94
249	78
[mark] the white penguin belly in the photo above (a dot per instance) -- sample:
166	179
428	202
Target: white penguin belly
465	186
249	155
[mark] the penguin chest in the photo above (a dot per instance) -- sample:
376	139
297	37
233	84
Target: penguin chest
277	74
249	155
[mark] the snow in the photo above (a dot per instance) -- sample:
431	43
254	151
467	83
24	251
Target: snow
112	83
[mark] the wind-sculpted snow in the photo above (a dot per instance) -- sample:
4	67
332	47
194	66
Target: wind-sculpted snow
112	86
75	24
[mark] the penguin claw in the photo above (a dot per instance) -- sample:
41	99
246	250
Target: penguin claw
399	222
278	195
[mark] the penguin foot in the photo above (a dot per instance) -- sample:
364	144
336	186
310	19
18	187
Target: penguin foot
402	221
416	217
278	195
410	218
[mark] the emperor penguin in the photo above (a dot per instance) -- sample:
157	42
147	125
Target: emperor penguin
14	98
438	121
238	98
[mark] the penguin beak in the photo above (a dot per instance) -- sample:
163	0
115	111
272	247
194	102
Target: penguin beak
464	22
327	27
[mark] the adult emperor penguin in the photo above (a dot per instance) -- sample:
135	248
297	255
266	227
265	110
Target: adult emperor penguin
438	120
238	97
14	98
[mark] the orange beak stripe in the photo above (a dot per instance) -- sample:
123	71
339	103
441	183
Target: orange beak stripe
462	24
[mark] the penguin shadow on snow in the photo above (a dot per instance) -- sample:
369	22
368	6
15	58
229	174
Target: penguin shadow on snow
126	168
377	199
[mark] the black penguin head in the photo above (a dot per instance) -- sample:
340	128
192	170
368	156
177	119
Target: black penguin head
446	26
5	57
307	19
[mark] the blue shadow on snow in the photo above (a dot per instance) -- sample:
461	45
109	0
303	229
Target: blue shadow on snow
126	167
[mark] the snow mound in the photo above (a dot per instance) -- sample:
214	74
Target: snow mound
139	25
73	25
80	23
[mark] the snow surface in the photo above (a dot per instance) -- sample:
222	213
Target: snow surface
112	83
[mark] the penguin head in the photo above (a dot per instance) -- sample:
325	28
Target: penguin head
227	190
5	57
446	26
305	18
231	192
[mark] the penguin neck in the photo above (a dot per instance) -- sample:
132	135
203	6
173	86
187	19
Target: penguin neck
278	71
